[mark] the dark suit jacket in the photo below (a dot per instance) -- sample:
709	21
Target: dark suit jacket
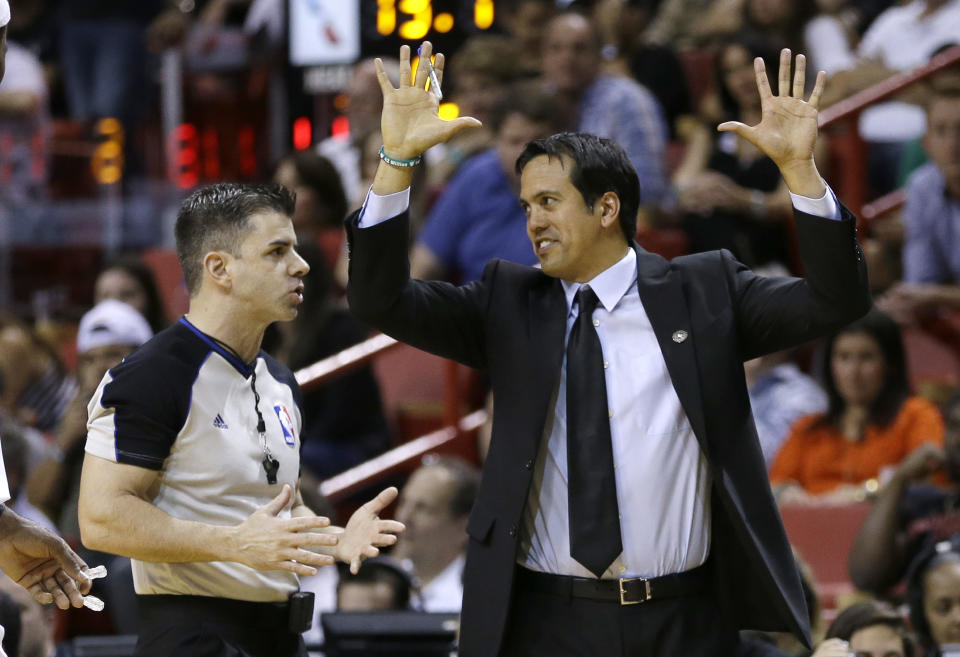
511	324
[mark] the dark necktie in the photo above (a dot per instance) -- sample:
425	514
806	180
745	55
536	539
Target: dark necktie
592	489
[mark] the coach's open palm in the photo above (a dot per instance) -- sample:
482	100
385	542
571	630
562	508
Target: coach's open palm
409	122
787	131
366	532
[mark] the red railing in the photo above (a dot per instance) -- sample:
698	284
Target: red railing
846	143
455	428
405	456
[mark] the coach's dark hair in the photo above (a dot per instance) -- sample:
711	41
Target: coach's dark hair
599	166
216	218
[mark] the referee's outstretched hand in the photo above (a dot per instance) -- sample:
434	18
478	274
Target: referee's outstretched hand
365	531
265	541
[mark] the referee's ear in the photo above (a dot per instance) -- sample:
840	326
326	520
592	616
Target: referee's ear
216	269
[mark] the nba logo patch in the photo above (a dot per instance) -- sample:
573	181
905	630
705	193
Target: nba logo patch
286	423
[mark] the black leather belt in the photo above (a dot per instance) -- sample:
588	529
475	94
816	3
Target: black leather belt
627	591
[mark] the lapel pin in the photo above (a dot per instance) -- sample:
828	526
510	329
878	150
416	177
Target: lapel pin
680	336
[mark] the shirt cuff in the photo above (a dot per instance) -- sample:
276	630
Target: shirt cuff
826	206
377	209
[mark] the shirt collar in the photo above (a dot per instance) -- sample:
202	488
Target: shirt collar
609	285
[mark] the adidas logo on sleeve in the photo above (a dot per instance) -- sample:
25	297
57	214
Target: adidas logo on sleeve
219	423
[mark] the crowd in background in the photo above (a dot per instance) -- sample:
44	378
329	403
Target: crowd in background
840	423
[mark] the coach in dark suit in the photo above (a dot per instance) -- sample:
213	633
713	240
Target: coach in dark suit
625	506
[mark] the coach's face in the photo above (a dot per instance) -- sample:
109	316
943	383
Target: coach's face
266	274
572	241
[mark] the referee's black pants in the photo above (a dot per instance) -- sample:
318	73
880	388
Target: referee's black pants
554	623
197	626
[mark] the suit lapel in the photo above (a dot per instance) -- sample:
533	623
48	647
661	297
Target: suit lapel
661	291
546	326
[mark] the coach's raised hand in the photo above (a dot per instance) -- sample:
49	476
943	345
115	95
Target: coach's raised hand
409	122
787	131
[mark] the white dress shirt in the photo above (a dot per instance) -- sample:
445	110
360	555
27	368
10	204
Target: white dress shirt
663	485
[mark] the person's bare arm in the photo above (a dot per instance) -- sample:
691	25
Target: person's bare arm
41	562
877	557
117	516
698	142
47	485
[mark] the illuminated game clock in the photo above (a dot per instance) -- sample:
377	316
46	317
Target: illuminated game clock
329	32
415	20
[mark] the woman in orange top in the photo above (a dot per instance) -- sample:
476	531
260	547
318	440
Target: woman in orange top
871	424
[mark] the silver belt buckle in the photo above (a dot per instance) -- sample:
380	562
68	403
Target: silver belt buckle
646	591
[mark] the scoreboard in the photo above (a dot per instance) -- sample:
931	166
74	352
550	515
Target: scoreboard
324	32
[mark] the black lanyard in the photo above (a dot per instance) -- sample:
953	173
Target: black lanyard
270	465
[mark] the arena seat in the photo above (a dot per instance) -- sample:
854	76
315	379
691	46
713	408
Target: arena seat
412	386
166	270
823	536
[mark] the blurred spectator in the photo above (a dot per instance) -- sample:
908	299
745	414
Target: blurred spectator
933	593
660	70
321	201
682	25
781	22
365	102
931	216
343	419
36	623
434	505
524	21
871	425
829	36
617	108
479	74
909	514
107	334
24	126
381	585
870	628
130	280
104	57
17	462
478	217
35	390
902	38
733	196
780	394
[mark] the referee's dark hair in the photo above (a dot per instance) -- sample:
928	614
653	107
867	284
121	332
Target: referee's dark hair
599	166
216	218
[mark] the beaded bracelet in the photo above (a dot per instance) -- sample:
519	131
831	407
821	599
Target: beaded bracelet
403	164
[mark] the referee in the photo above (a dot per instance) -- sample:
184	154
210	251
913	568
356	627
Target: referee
192	457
